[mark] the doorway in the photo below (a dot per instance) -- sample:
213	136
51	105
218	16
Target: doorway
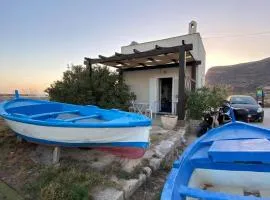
165	94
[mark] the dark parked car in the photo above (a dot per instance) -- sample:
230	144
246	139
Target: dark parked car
255	111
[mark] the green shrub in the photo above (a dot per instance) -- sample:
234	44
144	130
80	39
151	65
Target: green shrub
204	99
100	87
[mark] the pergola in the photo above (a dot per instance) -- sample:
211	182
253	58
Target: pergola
157	58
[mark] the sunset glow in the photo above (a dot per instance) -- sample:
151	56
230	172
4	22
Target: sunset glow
39	38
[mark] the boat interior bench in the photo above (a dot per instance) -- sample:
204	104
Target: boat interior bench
81	118
204	194
53	113
240	151
73	119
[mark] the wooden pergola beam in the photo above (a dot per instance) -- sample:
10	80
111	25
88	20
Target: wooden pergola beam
153	60
117	54
102	57
150	53
174	60
121	63
142	64
159	66
157	47
136	51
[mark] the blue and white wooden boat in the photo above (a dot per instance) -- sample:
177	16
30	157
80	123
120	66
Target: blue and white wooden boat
229	162
70	125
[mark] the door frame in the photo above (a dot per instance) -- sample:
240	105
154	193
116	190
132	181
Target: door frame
174	92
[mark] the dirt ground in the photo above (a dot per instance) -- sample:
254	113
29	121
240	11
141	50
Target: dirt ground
16	168
152	188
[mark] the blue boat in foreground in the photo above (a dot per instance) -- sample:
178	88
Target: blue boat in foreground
229	162
68	125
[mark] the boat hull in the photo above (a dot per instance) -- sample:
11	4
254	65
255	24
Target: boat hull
68	125
136	137
229	162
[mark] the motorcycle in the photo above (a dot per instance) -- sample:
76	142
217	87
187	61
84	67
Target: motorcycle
223	116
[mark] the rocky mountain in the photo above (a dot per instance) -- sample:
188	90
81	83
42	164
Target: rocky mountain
243	78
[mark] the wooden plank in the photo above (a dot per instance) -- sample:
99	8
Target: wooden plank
102	57
136	51
80	118
204	194
156	66
121	63
157	47
53	113
181	84
19	115
153	61
117	54
154	52
142	64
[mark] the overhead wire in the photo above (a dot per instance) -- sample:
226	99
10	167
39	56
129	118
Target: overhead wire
238	35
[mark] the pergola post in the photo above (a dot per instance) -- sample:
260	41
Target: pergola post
88	64
120	71
181	86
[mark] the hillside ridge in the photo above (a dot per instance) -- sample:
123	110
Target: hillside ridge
243	77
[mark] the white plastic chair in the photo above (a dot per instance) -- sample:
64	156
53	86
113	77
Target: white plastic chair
132	107
152	106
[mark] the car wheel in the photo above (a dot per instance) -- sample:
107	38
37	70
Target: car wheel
261	120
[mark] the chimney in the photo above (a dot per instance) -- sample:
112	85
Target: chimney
192	27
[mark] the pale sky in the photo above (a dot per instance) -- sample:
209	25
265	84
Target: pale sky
39	38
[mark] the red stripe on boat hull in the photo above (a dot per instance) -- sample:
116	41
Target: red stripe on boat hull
128	152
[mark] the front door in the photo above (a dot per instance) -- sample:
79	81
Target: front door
165	95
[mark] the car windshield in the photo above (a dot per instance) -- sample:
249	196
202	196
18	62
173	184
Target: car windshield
243	100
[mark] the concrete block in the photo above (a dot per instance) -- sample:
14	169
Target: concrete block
130	186
19	138
148	154
164	148
42	155
129	164
56	155
155	163
147	171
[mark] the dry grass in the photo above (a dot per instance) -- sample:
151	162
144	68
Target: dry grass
72	181
115	168
66	183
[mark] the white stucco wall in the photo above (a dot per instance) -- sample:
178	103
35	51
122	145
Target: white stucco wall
138	81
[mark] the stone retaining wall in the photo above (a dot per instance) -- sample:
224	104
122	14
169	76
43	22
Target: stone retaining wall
164	152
